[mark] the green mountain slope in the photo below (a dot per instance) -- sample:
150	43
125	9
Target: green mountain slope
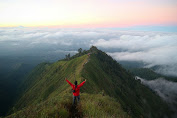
9	81
110	91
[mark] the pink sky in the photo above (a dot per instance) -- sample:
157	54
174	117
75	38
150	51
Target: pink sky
87	13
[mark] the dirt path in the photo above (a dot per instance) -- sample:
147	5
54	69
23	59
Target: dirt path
75	111
80	67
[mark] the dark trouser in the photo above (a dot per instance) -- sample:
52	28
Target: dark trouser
76	98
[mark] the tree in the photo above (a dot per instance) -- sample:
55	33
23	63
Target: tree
80	50
93	49
67	56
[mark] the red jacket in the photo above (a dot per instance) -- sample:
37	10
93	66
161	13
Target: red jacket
77	90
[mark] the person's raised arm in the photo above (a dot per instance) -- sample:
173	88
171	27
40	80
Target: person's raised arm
82	83
69	82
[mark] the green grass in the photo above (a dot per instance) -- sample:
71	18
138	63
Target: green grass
91	105
97	105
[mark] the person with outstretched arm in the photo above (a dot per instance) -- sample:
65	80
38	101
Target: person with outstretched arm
76	90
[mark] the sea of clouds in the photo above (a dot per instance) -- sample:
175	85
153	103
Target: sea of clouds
152	48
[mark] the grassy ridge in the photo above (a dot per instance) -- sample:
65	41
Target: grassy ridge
49	95
110	91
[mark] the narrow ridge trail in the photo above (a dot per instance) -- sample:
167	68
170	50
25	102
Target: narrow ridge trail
75	111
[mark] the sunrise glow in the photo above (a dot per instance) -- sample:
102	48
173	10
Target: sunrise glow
87	13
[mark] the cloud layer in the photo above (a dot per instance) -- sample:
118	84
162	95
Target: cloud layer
152	48
164	88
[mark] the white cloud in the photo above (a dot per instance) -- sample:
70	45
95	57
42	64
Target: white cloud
157	56
164	88
168	69
138	43
165	56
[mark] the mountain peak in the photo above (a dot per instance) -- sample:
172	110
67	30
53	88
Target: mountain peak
94	49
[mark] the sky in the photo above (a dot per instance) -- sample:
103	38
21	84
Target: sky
87	13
